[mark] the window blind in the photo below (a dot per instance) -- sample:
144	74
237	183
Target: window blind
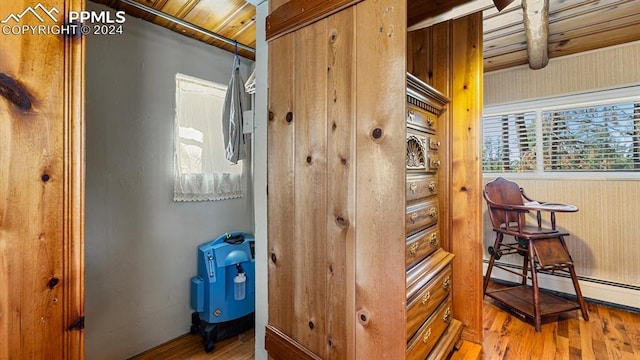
592	138
509	143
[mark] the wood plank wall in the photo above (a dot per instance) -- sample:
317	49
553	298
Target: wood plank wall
466	176
448	56
599	69
41	189
336	183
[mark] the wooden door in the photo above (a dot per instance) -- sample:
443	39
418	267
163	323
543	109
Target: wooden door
41	182
336	160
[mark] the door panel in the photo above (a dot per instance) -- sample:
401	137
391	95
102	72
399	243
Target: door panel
41	177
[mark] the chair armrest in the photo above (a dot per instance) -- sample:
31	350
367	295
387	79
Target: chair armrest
517	208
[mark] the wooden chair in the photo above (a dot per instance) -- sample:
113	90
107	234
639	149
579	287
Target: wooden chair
543	249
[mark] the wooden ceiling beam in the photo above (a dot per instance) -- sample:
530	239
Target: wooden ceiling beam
536	26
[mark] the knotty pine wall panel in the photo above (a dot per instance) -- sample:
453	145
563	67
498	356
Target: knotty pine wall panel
466	175
335	155
340	211
281	183
381	37
41	188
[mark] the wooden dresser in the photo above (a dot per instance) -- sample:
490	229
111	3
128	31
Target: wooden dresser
431	330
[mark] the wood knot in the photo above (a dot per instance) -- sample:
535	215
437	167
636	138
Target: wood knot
289	117
271	116
14	92
45	177
342	222
53	283
309	159
311	325
363	317
376	133
274	258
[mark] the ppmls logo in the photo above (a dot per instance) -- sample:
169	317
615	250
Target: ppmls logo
103	23
34	12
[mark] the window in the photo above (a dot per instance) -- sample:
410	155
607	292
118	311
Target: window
562	135
201	169
595	138
509	143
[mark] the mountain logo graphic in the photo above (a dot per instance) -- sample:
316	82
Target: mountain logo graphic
33	11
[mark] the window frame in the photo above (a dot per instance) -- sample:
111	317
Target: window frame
629	93
206	185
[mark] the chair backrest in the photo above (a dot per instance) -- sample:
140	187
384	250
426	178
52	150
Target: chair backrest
504	192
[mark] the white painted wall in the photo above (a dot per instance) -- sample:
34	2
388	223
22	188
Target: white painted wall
140	245
260	181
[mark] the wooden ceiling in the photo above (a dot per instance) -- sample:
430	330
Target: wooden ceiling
232	19
574	25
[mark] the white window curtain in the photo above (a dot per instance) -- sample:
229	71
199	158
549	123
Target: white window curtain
201	171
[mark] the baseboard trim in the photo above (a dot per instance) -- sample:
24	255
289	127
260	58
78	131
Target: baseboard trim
609	293
282	347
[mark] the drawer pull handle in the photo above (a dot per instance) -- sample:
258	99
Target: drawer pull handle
413	216
446	284
413	250
433	213
432	187
426	298
413	187
430	122
447	316
425	338
433	240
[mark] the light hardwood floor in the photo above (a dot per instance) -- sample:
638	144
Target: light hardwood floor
610	334
189	347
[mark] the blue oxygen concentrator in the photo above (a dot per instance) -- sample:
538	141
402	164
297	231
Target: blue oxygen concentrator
223	292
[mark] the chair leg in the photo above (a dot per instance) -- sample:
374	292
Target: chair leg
576	285
534	285
525	269
492	260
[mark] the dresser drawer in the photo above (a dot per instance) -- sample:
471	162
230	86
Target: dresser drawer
429	333
421	119
427	300
421	215
419	186
422	151
420	245
419	275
